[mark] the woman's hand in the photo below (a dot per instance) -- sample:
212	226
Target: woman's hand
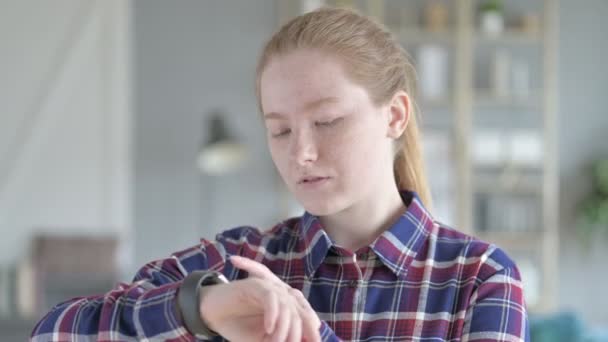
259	308
306	319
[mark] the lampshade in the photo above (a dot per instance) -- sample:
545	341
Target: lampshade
221	153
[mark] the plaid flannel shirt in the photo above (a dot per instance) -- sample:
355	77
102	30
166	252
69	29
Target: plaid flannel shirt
418	281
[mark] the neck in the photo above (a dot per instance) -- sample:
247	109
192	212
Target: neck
360	225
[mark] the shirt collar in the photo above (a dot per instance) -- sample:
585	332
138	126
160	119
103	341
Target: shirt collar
396	247
315	240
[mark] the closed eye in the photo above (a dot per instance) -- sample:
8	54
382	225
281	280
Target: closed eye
328	123
282	133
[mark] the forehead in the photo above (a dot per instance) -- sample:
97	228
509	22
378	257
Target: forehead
293	81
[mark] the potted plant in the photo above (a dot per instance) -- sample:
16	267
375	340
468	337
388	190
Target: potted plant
593	213
491	17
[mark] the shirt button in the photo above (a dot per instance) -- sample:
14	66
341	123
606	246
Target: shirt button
353	283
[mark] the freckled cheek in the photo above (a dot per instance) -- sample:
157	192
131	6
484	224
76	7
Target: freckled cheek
362	152
280	157
343	152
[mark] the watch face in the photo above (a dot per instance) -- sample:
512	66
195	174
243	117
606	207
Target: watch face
223	278
214	278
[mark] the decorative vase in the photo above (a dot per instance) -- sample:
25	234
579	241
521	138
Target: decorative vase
492	23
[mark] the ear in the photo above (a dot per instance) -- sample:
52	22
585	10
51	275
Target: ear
399	110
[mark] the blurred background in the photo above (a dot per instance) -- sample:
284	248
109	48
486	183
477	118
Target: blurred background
130	129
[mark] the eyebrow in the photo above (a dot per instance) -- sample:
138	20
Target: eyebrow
308	107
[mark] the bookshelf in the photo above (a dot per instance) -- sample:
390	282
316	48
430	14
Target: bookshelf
493	125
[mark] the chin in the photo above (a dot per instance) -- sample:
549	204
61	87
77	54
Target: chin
323	207
318	212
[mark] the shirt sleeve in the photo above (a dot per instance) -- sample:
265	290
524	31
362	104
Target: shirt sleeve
142	310
497	310
327	334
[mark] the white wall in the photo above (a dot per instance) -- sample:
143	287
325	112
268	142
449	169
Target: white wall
191	57
64	120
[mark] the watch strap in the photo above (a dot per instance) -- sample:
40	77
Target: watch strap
188	301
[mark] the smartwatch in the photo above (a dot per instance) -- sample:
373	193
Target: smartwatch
188	301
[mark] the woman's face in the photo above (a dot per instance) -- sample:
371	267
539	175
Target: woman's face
327	139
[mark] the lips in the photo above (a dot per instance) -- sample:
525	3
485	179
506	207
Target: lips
311	179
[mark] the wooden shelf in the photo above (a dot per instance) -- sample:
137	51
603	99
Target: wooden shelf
521	170
486	98
517	189
514	240
436	103
415	35
509	37
508	179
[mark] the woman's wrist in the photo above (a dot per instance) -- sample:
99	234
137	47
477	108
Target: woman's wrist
209	306
189	300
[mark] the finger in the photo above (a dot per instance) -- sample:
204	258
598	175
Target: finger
310	330
300	299
283	323
271	313
310	321
254	268
295	331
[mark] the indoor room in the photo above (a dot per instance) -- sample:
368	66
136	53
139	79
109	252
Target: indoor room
131	130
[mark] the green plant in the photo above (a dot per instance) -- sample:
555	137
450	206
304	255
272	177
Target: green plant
491	5
594	208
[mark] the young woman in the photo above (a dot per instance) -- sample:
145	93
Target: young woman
365	262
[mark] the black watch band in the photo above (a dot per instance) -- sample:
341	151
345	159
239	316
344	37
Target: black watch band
188	301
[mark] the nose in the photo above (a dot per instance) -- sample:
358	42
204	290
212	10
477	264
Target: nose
304	149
